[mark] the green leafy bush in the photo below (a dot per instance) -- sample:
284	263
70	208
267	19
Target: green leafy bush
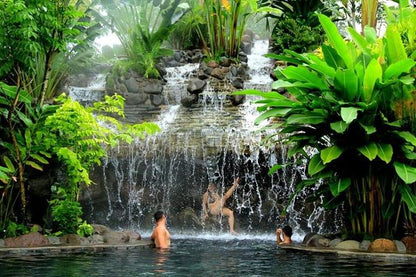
66	212
297	36
349	107
85	229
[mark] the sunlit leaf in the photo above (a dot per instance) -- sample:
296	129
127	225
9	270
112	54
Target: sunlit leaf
339	186
405	172
315	165
331	153
370	150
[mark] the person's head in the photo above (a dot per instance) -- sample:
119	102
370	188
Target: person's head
159	215
212	187
287	230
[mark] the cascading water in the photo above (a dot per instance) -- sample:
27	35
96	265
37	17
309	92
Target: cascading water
213	141
87	95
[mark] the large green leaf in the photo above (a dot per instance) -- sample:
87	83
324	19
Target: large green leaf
331	153
321	67
307	118
349	114
339	126
358	39
339	186
372	73
408	197
370	150
315	165
346	81
395	48
405	172
331	57
275	112
385	152
336	40
302	74
407	136
396	69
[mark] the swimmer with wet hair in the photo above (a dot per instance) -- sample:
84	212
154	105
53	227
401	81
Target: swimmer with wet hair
160	235
285	232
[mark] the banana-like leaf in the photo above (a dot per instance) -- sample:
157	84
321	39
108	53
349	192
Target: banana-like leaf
331	57
398	68
385	152
331	153
346	81
307	118
349	114
275	112
361	42
370	150
336	40
395	48
339	186
315	165
408	197
302	74
405	172
373	72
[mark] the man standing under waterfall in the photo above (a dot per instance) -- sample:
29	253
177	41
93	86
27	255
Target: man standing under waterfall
160	235
213	204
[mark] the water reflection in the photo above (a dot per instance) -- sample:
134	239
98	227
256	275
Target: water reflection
199	257
160	259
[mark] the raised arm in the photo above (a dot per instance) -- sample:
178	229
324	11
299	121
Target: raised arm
231	190
204	204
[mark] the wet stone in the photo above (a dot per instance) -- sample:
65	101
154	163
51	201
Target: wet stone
348	245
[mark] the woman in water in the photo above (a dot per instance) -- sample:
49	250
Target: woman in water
214	204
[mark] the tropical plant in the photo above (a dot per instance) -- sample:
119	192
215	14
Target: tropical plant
66	212
33	34
20	145
185	32
225	22
85	229
142	27
297	28
344	107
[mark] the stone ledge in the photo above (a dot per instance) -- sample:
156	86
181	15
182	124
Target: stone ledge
77	249
364	254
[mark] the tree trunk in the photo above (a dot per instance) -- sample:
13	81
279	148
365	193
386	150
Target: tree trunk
16	148
368	13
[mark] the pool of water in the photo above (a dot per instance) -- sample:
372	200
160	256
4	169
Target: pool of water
206	256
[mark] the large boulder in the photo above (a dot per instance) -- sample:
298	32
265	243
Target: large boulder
382	245
410	243
348	245
220	73
132	85
196	86
317	241
151	86
34	239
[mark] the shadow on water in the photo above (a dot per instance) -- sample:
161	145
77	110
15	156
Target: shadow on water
206	257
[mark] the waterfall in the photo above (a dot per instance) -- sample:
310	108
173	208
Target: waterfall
213	141
87	95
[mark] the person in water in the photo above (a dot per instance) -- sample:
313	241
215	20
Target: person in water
213	203
160	235
284	235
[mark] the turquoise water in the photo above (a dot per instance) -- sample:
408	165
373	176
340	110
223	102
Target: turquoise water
205	257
